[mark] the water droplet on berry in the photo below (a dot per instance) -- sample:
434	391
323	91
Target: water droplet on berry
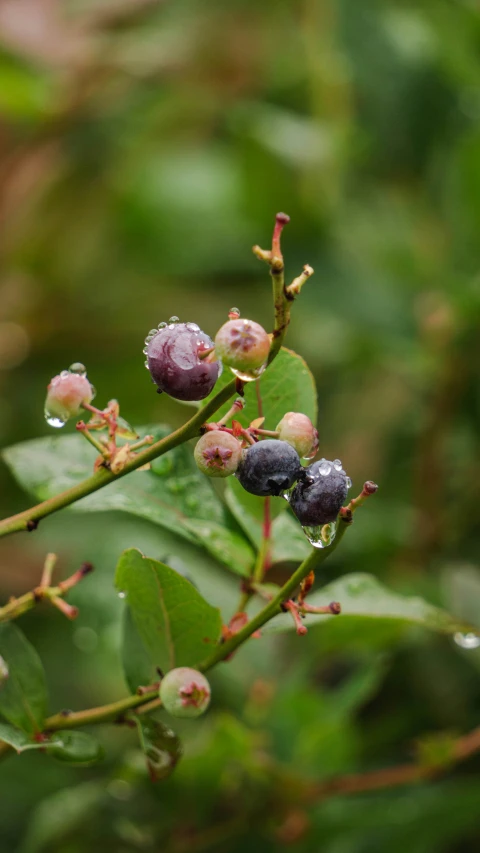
192	327
145	364
174	320
79	368
53	420
324	468
93	390
162	325
145	350
249	375
233	313
322	535
467	641
64	374
349	483
337	464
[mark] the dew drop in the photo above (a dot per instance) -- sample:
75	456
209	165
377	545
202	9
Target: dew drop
192	327
162	325
145	364
152	333
324	468
249	375
145	350
64	374
54	421
349	483
122	594
322	535
79	368
235	311
337	464
174	320
467	641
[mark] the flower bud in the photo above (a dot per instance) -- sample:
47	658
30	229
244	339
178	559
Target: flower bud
185	692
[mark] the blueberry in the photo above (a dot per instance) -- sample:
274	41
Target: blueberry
174	363
317	498
269	467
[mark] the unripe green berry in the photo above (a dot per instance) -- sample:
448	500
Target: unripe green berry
185	692
242	344
218	453
65	395
299	431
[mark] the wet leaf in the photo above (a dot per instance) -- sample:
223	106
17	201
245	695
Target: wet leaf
176	625
162	747
363	596
23	694
75	748
17	739
286	386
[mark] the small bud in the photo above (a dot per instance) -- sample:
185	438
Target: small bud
242	344
218	453
185	692
66	394
299	431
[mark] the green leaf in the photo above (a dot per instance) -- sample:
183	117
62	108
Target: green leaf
228	547
17	739
364	597
23	694
176	625
174	494
75	748
286	386
138	668
162	747
288	540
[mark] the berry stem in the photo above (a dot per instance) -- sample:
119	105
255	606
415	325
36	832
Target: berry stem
28	519
83	429
17	606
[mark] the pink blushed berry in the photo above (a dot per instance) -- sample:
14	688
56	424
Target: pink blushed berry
299	431
185	692
218	453
65	395
242	345
176	360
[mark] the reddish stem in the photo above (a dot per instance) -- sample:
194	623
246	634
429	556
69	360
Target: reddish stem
281	220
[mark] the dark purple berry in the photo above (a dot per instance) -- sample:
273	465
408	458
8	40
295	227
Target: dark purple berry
269	468
173	359
317	498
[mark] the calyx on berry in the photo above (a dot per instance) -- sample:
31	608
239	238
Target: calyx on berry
299	431
269	468
242	344
218	453
66	394
174	359
318	497
185	692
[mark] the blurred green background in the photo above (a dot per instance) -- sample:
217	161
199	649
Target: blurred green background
145	146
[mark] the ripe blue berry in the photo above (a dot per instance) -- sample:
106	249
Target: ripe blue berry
317	498
174	363
185	692
242	344
217	453
299	431
269	468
